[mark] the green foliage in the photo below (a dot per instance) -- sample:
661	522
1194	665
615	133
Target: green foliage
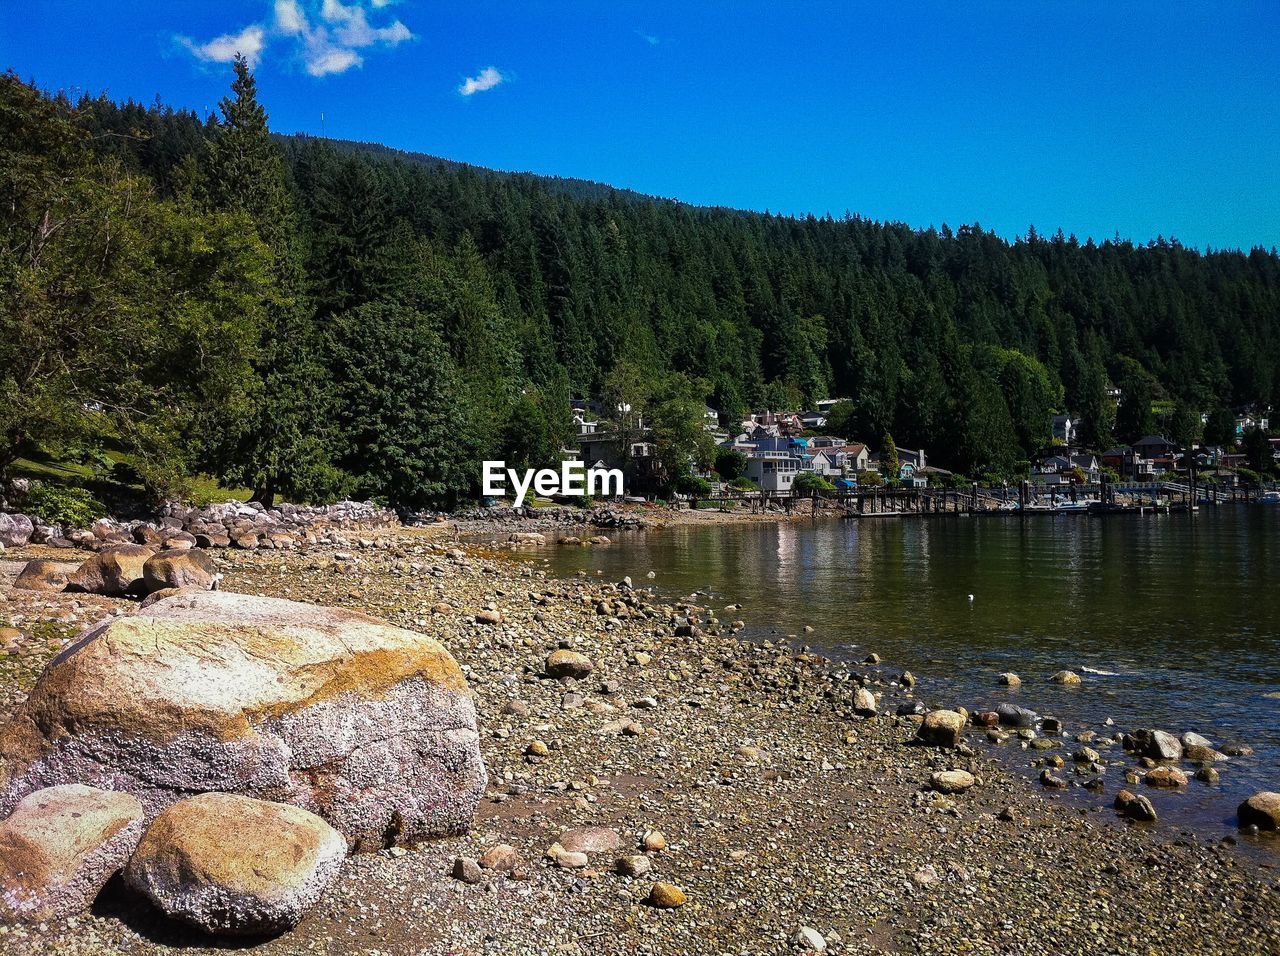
694	486
1257	451
810	484
403	428
188	290
870	479
58	505
890	466
730	464
744	483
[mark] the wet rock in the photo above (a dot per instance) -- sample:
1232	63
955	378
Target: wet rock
1157	744
1190	739
1066	677
941	728
565	663
235	865
59	848
1261	810
1010	679
1011	715
1050	781
1197	753
1165	777
1135	806
1208	775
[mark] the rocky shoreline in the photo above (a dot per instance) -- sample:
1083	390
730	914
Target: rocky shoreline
748	780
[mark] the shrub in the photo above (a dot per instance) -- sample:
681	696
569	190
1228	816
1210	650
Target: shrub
56	504
811	484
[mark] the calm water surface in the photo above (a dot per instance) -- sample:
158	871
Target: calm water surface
1172	621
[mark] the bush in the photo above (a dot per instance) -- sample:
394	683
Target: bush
693	486
744	484
811	483
70	507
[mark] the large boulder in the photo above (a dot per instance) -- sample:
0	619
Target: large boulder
43	575
178	568
1261	810
15	530
235	865
60	847
114	571
370	726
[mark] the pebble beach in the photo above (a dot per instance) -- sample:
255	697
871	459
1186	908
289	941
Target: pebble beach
664	787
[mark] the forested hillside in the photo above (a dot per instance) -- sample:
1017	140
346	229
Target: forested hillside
314	319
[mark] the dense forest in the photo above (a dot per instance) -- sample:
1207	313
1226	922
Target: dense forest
312	319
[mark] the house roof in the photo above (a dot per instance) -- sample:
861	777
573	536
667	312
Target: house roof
1151	440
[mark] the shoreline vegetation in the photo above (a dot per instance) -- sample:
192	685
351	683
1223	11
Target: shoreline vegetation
748	776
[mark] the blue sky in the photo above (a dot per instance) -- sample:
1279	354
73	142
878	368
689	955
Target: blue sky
1144	119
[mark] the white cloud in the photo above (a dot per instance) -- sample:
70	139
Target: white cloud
649	38
332	60
249	42
290	19
324	48
486	79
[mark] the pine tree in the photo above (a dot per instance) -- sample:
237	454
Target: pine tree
280	447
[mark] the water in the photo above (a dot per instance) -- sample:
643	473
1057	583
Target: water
1173	621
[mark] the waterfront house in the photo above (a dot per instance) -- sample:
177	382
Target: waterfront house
1129	463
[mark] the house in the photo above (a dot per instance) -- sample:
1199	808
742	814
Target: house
1061	469
825	405
812	421
1064	429
1154	446
1129	463
1249	417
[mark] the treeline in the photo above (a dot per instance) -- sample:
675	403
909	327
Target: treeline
314	319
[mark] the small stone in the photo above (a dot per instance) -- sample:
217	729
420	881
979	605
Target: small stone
1135	806
808	938
864	703
1065	677
502	858
633	866
951	781
467	870
666	896
654	841
1010	679
537	749
1050	781
489	617
591	840
563	663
